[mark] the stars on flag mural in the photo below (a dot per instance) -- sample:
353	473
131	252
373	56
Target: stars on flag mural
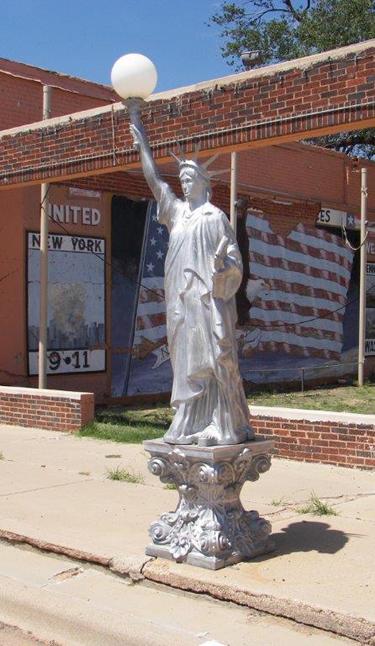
150	350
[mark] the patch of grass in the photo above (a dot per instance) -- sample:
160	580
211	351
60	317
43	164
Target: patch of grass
1	456
129	424
317	507
123	475
349	399
120	432
156	417
276	502
170	485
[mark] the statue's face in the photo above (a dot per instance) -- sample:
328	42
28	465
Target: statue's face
192	184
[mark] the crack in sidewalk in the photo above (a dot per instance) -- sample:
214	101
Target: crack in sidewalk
56	486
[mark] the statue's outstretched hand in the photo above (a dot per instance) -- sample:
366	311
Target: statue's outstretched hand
137	136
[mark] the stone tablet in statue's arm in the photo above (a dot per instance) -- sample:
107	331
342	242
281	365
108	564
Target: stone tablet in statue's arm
227	274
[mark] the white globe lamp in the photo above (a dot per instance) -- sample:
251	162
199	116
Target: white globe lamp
134	76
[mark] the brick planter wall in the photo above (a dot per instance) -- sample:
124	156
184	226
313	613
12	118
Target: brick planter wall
343	439
55	410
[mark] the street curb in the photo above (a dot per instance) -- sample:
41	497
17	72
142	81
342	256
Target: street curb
79	555
139	568
349	626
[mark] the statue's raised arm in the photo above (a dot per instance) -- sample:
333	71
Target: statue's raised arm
141	143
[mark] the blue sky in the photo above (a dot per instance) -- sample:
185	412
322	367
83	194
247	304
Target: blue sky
85	37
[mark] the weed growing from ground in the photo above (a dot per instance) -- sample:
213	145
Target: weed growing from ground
276	502
1	456
170	485
317	507
122	474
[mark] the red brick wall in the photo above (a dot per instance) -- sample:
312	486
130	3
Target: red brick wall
20	213
272	104
302	172
295	171
21	94
330	442
55	410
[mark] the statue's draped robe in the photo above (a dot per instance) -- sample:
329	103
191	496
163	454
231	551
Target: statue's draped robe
207	387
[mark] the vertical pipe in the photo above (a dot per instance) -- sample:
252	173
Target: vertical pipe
362	280
43	310
233	191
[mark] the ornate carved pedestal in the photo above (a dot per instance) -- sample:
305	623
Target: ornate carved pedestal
209	528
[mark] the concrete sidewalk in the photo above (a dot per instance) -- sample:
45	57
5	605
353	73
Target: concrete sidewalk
55	494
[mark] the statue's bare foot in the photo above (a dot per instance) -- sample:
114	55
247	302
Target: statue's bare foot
183	439
209	437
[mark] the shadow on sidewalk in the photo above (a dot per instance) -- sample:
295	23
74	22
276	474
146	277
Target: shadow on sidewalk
307	536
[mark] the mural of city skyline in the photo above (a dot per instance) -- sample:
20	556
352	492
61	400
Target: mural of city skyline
88	336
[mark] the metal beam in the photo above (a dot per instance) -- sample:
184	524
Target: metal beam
43	303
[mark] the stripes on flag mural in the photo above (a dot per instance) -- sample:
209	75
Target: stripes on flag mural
296	285
306	278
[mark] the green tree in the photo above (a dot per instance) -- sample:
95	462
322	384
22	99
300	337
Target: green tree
286	29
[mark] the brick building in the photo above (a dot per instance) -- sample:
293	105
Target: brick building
297	305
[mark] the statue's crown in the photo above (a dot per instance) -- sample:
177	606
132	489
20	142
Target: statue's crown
201	168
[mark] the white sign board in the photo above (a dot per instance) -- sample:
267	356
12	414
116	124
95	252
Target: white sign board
64	361
335	218
76	303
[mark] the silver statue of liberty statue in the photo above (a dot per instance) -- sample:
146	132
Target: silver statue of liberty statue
203	270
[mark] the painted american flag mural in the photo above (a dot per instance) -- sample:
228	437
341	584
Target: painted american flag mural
296	284
306	278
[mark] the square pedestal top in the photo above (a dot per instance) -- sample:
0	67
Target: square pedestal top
210	453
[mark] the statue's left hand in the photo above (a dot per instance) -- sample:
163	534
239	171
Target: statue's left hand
222	279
